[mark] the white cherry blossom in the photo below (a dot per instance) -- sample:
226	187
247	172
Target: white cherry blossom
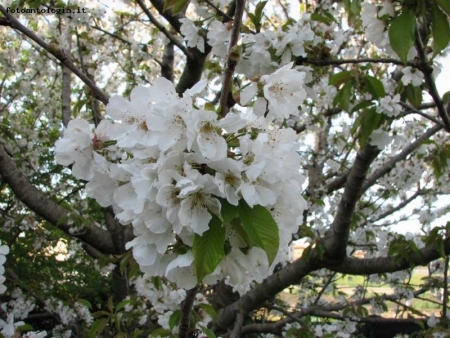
284	91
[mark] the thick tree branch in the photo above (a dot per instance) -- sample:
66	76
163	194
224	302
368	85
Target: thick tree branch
255	298
56	52
49	210
368	266
167	62
329	311
335	240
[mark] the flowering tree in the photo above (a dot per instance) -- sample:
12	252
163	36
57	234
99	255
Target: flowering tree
158	159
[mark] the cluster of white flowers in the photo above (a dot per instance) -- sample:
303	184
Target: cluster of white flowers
259	48
166	300
344	329
4	250
167	167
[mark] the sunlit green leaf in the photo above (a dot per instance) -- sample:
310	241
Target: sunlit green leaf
208	249
260	226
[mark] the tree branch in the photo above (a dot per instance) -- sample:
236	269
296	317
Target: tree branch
186	308
412	110
236	333
232	60
163	29
427	71
66	83
255	298
34	199
56	52
368	266
388	166
167	62
336	238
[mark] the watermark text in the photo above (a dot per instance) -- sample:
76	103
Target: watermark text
62	10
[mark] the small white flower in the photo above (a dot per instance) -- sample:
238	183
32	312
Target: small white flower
432	321
284	91
76	148
204	135
412	75
181	271
390	105
191	34
198	202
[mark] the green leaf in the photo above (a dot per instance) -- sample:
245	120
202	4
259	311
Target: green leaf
97	327
174	319
160	333
353	9
209	310
122	304
402	34
85	303
260	226
124	262
440	30
34	3
121	335
342	98
24	327
370	121
256	17
445	5
362	105
340	78
374	86
446	97
208	332
227	211
176	6
414	95
208	249
237	226
321	18
259	10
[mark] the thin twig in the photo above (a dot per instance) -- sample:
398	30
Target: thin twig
322	290
419	112
226	17
231	61
59	54
94	105
319	62
163	29
66	82
445	292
